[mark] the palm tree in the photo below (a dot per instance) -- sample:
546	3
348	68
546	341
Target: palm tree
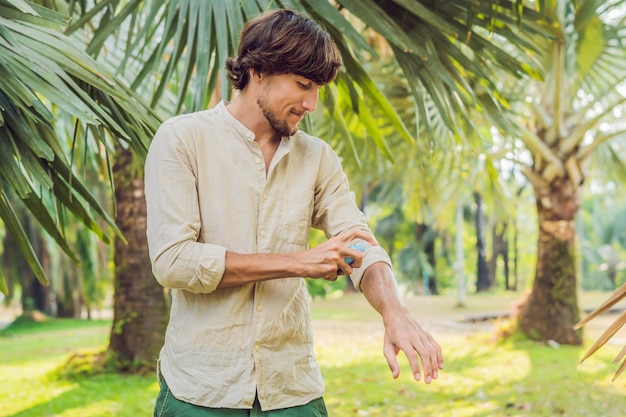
562	122
173	52
140	305
53	93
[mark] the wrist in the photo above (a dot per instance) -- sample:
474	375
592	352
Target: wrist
295	265
394	312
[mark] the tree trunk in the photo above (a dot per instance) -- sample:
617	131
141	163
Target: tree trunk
459	265
552	307
499	248
516	283
425	236
507	272
67	287
34	295
482	272
140	306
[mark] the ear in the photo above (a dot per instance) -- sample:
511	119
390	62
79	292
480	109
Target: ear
256	76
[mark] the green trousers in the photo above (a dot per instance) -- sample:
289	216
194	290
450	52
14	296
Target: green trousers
168	406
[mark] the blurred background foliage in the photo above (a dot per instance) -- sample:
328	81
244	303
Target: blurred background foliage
467	129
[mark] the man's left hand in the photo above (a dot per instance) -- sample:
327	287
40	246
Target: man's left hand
404	333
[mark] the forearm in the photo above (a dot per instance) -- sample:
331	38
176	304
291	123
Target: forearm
324	261
379	287
244	269
203	268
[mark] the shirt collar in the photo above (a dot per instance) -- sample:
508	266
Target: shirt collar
240	127
233	122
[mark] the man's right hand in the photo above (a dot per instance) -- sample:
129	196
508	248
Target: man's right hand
329	259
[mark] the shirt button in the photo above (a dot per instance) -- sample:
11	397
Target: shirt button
263	233
264	196
249	135
257	347
259	308
258	160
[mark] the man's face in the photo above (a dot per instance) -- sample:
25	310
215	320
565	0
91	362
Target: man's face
285	99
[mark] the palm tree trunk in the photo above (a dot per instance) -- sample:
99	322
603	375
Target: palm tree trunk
507	268
552	307
34	295
482	271
499	247
140	307
426	239
459	264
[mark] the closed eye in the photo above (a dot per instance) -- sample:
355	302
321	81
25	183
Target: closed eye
304	86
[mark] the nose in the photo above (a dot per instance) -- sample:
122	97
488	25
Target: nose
310	100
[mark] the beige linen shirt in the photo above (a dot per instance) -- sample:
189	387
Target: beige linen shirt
207	192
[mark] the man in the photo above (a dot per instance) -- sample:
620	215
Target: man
232	193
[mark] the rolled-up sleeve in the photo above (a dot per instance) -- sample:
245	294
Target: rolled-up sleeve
173	227
371	256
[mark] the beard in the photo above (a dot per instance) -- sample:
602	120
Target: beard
281	127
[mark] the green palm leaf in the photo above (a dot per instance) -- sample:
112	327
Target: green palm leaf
48	79
444	48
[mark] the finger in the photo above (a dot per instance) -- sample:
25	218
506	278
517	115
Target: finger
414	364
352	234
433	354
352	257
345	270
438	357
391	355
345	262
430	353
331	277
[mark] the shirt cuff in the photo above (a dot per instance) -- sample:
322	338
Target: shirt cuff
210	270
372	255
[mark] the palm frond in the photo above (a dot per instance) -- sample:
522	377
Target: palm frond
601	45
48	80
444	49
616	297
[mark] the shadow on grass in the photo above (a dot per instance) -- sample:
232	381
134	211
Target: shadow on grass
100	395
40	380
481	379
22	343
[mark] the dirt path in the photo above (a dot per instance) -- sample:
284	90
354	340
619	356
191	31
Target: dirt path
441	316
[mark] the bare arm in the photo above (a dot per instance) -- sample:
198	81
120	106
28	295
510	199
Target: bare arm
323	261
402	331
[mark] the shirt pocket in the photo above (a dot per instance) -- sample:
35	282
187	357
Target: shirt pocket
296	212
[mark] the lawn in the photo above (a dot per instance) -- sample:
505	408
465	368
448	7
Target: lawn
482	377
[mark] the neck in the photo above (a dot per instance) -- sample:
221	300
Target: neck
245	109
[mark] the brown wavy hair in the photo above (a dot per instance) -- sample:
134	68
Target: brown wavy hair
281	42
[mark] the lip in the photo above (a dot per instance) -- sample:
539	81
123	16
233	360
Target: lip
299	115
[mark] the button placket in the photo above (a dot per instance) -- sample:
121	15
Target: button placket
262	231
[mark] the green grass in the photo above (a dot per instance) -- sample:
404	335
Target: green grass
31	355
481	377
